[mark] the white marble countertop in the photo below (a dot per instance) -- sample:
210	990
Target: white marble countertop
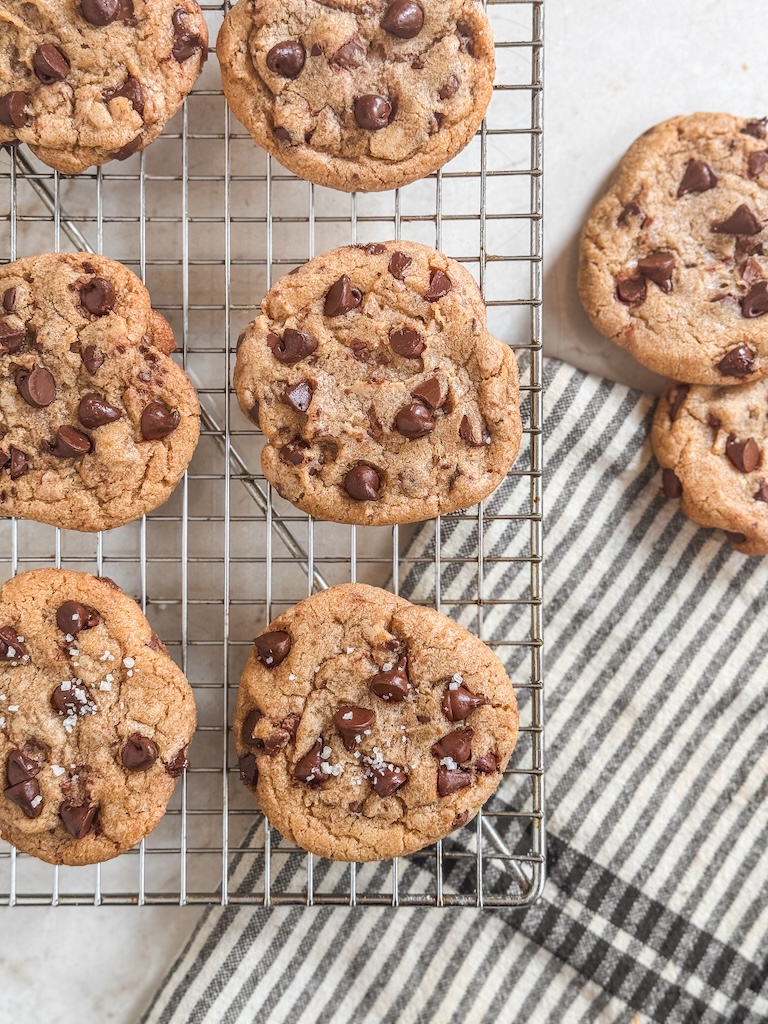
613	68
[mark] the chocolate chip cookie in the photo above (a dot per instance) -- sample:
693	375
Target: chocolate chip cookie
358	96
368	728
86	81
674	258
383	397
95	718
97	423
712	445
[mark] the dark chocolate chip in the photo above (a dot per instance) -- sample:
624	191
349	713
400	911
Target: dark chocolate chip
158	421
282	135
350	55
372	112
460	819
93	359
486	764
293	346
404	19
392	685
316	50
308	768
739	362
95	411
294	452
36	386
249	773
156	644
430	392
670	484
735	538
387	779
13	112
72	617
741	222
406	342
71	443
632	211
11	337
130	90
466	37
177	765
468	433
751	271
355	806
398	264
755	128
11	648
9	300
50	64
19	463
658	267
414	420
451	780
362	483
458	704
352	721
341	298
78	819
757	163
298	395
286	59
129	148
282	734
450	88
139	753
762	491
250	722
98	296
439	285
372	248
20	768
698	177
632	291
755	302
456	745
76	700
100	12
26	795
273	647
744	455
186	43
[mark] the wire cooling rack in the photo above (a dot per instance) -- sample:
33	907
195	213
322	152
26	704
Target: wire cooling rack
210	222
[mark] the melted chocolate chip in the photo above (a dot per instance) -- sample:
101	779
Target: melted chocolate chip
308	768
36	386
362	483
739	362
9	300
406	342
372	248
76	700
100	12
273	647
658	267
744	455
458	704
670	484
129	148
26	796
11	337
186	43
11	648
352	721
486	764
282	734
50	64
158	421
430	392
286	59
372	112
456	745
755	302
249	773
130	90
98	296
298	396
93	359
177	765
735	538
450	88
762	491
466	37
95	411
139	753
632	291
439	285
755	128
78	819
13	109
392	685
294	452
350	55
293	346
698	177
72	617
19	463
757	163
71	443
387	779
741	222
20	768
398	264
632	211
250	722
468	433
414	420
341	298
451	780
404	19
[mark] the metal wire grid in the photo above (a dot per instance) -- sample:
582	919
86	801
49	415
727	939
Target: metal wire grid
226	554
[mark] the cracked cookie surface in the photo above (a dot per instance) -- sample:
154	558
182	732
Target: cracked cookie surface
368	728
382	395
97	423
358	96
87	81
95	718
674	258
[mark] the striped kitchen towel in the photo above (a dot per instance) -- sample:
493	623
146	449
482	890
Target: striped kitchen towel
656	904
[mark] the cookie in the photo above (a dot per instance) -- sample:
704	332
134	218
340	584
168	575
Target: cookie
382	395
358	96
97	423
367	727
712	445
674	258
95	718
87	81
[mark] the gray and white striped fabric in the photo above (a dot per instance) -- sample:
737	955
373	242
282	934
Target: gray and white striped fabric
656	905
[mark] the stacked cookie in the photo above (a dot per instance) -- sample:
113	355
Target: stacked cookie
674	269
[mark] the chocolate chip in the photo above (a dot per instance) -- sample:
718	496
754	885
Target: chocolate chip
9	300
19	463
286	59
755	302
26	795
486	764
139	753
98	296
316	50
294	452
670	484
456	745
430	392
282	135
387	779
177	765
76	700
632	211
100	12
362	483
20	768
250	722
71	443
698	177
658	267
741	222
249	773
11	337
414	420
372	248
751	271
757	163
78	819
36	386
406	342
130	90
372	112
273	647
72	617
156	644
755	128
355	806
352	721
762	491
744	455
735	538
398	264
439	285
739	362
50	64
466	39
451	780
129	148
186	43
450	88
93	359
341	298
11	647
468	433
392	685
632	291
404	19
158	421
350	55
95	411
13	113
281	736
308	768
458	704
460	820
293	346
298	395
